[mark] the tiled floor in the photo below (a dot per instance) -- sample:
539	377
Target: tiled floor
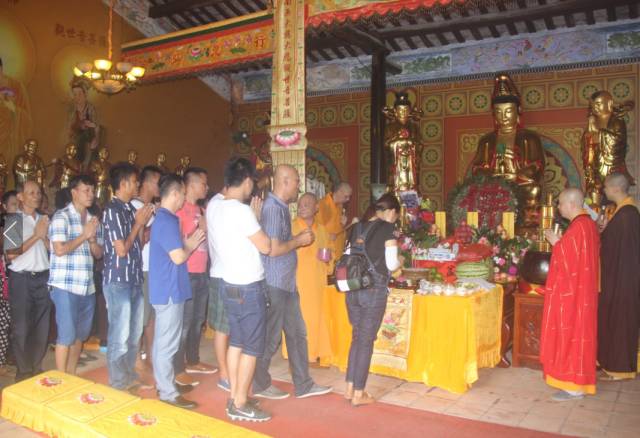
513	396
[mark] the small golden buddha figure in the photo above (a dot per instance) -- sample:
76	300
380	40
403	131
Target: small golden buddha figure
604	143
132	157
185	162
403	144
29	165
261	155
99	169
161	162
67	167
512	152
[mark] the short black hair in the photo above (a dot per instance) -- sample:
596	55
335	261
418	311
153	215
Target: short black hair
121	172
87	180
169	183
190	172
147	172
237	170
63	197
7	195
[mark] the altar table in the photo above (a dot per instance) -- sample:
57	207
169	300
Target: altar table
450	337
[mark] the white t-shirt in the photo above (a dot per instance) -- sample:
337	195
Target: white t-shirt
215	271
230	224
36	258
137	204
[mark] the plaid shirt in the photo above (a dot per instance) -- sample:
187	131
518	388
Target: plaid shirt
72	272
118	219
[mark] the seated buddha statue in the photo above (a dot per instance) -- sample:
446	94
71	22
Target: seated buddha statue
512	152
28	165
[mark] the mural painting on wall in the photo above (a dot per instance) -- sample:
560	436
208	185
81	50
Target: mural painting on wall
83	126
17	66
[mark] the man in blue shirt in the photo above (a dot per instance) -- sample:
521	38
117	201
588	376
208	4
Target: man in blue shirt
169	285
122	276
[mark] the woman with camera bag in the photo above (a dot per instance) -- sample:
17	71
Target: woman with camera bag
377	235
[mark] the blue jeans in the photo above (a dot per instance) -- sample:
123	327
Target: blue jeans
246	307
284	315
125	306
195	314
166	340
74	315
366	309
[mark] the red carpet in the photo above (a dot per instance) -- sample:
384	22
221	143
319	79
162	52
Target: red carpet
331	416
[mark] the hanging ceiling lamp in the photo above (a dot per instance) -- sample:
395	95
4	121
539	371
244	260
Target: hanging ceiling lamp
104	75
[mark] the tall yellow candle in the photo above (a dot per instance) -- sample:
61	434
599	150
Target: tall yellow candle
441	223
508	223
472	219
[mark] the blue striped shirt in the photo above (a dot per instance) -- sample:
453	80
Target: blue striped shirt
118	220
280	271
72	272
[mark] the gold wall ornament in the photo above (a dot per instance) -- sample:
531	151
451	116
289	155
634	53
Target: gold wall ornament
604	143
99	169
103	74
28	165
66	167
403	144
512	152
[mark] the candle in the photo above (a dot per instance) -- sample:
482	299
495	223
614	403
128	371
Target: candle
441	223
472	219
508	223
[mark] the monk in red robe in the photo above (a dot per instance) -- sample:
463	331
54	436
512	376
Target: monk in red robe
568	343
619	303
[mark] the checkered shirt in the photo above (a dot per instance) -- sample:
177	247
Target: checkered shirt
72	272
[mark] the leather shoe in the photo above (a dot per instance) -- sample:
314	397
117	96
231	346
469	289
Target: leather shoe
181	402
184	389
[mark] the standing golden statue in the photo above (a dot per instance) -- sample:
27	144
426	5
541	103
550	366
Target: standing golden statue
604	143
161	163
132	157
261	156
99	169
67	167
402	144
512	152
28	165
4	174
185	162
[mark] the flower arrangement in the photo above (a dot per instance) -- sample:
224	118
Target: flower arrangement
419	232
507	252
487	195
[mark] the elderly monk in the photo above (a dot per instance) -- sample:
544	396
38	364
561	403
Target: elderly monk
619	302
311	279
569	321
330	216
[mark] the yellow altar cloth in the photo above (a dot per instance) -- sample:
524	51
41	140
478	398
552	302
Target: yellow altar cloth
451	337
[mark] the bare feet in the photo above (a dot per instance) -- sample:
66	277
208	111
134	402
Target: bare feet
361	398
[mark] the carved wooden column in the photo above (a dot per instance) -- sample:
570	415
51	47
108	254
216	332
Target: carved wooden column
287	129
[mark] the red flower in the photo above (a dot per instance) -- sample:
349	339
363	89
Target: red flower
427	216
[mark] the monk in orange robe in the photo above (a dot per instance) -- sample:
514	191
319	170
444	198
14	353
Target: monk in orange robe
311	279
330	215
568	343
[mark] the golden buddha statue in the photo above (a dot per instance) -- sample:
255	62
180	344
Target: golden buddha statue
261	155
28	165
161	163
402	144
99	169
604	143
132	157
66	167
512	152
185	162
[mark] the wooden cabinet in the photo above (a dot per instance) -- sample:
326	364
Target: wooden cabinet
509	289
527	326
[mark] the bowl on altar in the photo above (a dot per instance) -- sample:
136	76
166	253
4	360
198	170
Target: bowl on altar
535	266
414	275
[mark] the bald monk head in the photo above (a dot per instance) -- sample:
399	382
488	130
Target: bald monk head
286	183
616	187
307	207
342	193
571	203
